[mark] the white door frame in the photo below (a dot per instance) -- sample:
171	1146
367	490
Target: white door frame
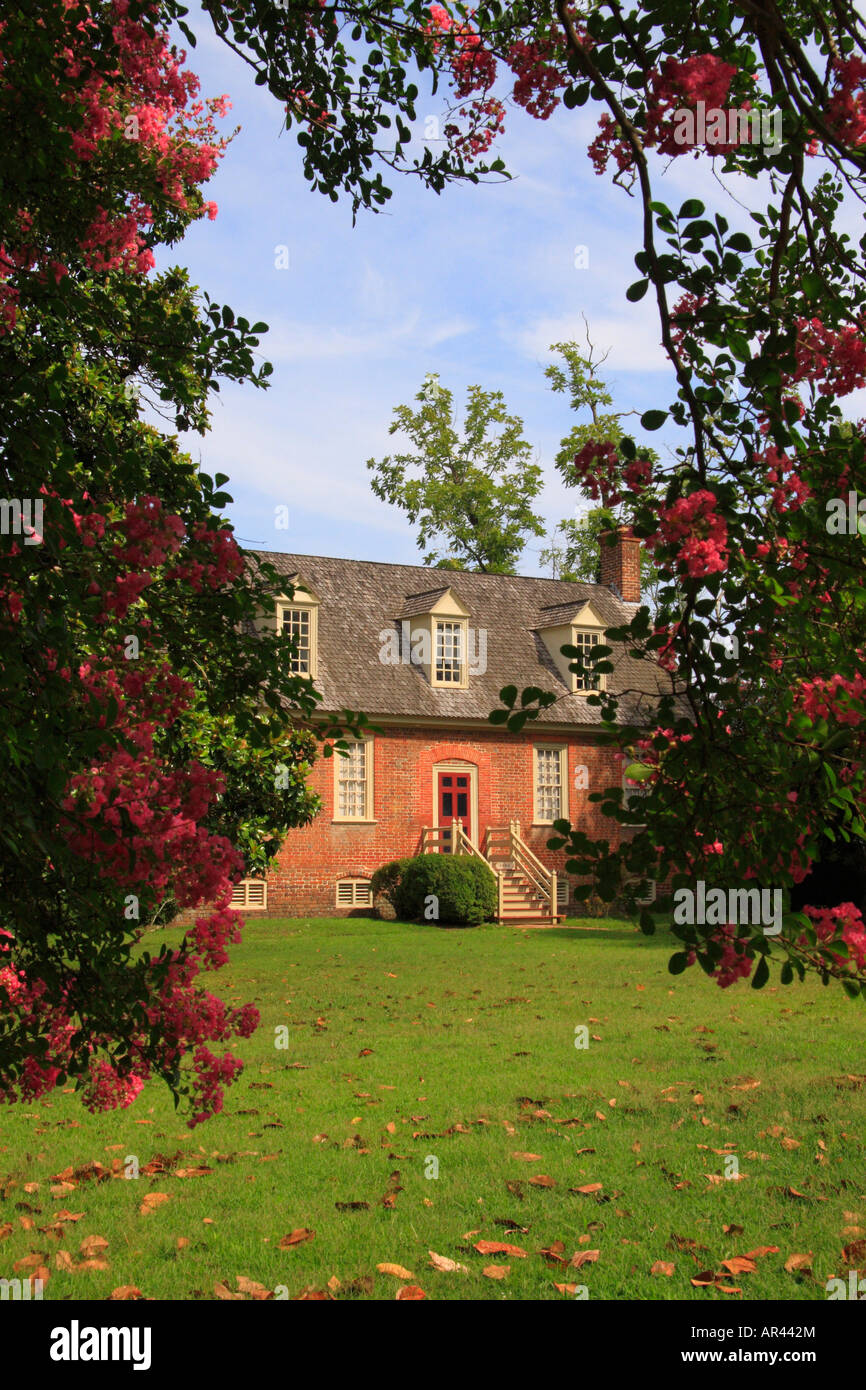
458	766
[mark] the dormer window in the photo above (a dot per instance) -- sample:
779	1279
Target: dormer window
450	663
434	636
585	638
298	619
297	624
578	626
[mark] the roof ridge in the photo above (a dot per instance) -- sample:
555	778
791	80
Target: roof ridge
425	569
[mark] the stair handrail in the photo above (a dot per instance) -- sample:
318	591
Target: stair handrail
463	844
431	834
542	877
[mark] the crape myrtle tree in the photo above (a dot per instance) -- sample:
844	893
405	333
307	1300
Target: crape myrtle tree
148	757
470	492
757	752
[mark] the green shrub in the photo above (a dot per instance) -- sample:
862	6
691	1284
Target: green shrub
386	880
465	891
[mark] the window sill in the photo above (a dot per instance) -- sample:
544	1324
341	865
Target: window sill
353	820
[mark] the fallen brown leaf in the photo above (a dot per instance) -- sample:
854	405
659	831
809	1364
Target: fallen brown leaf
583	1257
795	1262
445	1265
151	1201
296	1237
397	1270
256	1291
223	1292
92	1245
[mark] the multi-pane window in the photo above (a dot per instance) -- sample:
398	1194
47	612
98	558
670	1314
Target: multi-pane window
548	785
353	782
448	669
585	639
297	624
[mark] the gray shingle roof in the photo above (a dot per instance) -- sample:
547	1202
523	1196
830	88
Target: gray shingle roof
362	599
421	603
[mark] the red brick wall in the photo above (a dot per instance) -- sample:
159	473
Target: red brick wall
313	858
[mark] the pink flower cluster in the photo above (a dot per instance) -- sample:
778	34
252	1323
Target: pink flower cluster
601	474
539	79
678	86
105	1089
835	359
838	699
846	109
789	491
693	525
147	100
844	922
734	964
225	562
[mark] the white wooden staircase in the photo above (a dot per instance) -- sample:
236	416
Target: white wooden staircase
527	889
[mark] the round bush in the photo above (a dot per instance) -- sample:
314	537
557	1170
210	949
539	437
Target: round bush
453	890
386	879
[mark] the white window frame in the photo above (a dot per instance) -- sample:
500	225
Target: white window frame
241	894
461	626
362	893
284	612
340	766
597	683
562	750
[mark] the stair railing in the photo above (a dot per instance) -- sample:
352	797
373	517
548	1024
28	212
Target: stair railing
532	868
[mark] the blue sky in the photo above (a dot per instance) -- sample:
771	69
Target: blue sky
474	284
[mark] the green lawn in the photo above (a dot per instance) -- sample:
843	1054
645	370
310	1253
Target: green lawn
412	1043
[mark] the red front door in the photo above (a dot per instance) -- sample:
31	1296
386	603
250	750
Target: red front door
455	801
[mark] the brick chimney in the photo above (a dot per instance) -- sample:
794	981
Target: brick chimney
620	563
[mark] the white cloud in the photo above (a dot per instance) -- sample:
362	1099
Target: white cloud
633	343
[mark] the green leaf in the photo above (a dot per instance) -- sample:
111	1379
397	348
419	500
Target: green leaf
692	207
653	419
761	975
637	291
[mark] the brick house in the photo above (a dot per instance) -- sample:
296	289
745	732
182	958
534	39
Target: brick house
424	653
